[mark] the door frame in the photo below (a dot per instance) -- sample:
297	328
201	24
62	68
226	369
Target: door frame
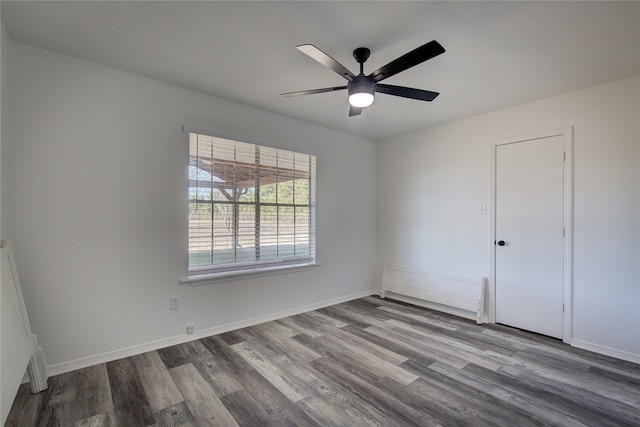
567	253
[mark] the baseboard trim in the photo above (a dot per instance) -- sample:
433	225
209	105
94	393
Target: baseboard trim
110	356
435	306
607	351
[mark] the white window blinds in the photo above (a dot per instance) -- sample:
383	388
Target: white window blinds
250	206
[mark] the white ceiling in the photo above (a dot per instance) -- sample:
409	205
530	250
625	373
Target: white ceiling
499	54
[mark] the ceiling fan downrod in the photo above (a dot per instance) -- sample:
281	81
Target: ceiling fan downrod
361	55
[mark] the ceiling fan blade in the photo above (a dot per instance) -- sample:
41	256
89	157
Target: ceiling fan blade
326	60
407	92
314	91
408	60
354	111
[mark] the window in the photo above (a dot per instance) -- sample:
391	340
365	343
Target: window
250	206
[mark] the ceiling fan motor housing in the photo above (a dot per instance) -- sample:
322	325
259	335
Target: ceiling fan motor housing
361	91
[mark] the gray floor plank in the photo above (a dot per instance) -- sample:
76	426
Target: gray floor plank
394	409
175	415
374	363
201	400
105	419
25	408
246	411
258	393
130	404
367	362
271	372
182	354
442	342
403	341
494	411
158	385
93	392
337	356
278	340
368	346
57	405
221	381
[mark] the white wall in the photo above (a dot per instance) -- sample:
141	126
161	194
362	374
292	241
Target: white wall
431	182
97	210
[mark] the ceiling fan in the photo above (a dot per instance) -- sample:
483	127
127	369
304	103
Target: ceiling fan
362	88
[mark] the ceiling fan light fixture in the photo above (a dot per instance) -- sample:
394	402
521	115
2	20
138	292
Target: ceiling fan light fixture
361	95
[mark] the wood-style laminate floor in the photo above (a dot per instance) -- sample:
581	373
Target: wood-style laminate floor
368	362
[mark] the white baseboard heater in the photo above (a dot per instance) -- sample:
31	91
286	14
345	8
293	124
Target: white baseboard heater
459	293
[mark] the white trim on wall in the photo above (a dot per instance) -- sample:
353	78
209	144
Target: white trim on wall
110	356
607	351
567	279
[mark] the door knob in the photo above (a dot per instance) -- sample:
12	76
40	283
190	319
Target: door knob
501	243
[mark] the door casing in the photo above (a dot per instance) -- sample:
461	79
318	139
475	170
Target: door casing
567	255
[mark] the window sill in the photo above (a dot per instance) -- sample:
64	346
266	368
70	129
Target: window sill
226	276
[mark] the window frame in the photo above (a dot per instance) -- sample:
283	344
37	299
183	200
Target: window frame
212	272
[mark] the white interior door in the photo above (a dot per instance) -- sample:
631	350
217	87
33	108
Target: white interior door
530	235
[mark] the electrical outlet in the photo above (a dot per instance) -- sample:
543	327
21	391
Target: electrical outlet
174	303
191	328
